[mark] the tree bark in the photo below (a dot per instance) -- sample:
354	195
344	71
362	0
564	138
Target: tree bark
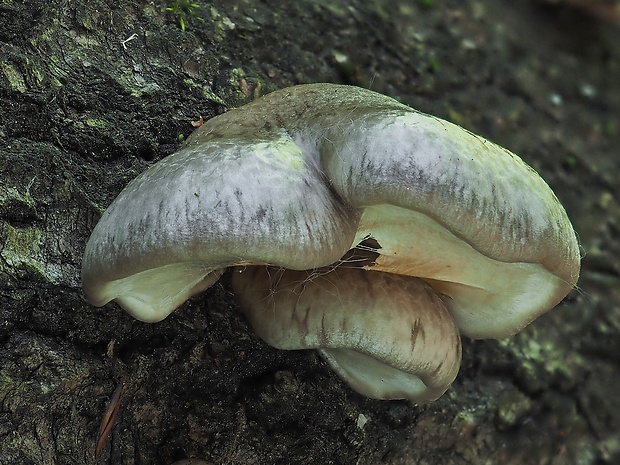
92	93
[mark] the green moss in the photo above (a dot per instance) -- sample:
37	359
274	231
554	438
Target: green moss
221	24
205	90
184	9
14	77
96	123
543	361
570	161
513	407
433	64
244	86
21	252
14	204
208	94
6	382
19	243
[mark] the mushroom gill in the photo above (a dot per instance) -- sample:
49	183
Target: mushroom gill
460	233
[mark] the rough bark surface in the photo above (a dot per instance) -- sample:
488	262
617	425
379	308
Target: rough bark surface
93	92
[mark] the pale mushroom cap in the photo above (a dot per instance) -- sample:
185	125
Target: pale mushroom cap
388	336
468	215
300	176
203	209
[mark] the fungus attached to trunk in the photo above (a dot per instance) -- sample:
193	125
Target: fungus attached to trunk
389	336
357	225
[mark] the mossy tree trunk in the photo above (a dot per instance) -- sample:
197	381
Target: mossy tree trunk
93	92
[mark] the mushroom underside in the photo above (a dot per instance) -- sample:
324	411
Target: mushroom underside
487	298
387	336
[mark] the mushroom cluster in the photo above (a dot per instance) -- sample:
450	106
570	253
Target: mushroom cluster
353	224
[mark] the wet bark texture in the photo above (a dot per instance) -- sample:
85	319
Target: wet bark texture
93	92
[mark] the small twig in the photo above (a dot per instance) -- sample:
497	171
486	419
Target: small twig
130	38
30	185
109	418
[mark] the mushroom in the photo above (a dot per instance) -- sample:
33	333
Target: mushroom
388	336
355	224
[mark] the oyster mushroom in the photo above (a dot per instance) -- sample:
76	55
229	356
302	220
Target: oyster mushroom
447	230
388	336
